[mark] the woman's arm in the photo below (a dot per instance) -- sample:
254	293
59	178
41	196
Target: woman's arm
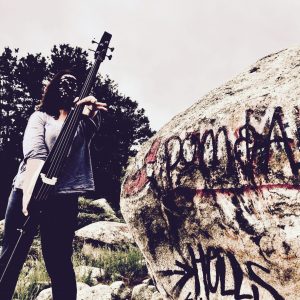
33	169
35	153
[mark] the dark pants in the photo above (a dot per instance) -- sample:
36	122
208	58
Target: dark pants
57	222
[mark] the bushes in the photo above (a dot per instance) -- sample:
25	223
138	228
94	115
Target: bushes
125	264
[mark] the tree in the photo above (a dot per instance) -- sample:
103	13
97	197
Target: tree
123	128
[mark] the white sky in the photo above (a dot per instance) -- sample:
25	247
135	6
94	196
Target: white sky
169	53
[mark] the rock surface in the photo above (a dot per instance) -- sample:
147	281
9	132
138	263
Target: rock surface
100	291
157	296
119	291
2	226
103	203
213	198
46	294
110	233
92	273
91	211
143	292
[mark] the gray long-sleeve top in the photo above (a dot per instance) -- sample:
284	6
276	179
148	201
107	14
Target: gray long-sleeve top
40	135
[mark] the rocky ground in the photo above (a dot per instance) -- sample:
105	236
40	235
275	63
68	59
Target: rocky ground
107	263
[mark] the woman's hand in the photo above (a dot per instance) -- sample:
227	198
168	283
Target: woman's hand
92	105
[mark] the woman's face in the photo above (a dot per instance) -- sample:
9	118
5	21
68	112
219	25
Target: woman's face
67	90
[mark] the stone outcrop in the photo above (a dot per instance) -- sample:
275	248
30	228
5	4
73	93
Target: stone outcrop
213	200
104	232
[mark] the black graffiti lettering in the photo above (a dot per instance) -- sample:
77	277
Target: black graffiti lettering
188	296
249	137
194	262
261	282
238	278
296	113
209	137
222	269
278	120
212	254
193	140
255	292
168	155
189	270
203	261
249	155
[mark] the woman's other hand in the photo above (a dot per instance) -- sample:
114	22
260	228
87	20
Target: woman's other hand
92	105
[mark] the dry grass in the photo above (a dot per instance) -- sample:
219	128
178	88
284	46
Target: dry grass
125	264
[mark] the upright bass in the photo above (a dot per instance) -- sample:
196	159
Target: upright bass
55	161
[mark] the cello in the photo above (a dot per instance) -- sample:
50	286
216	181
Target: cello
57	157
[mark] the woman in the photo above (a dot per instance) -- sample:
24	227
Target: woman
59	215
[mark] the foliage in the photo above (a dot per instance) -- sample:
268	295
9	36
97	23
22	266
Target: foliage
90	213
33	278
22	79
125	264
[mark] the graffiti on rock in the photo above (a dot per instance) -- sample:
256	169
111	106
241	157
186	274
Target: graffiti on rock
211	270
249	157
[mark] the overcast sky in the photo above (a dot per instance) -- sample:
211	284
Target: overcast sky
169	53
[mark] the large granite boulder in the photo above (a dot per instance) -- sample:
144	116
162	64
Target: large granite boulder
213	200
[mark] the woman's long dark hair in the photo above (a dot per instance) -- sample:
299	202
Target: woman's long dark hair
51	100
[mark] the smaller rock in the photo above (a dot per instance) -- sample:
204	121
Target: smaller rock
120	291
46	294
142	292
106	207
2	226
148	281
89	273
152	288
111	233
99	291
157	296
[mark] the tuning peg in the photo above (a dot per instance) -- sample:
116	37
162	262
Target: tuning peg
111	49
92	50
109	56
94	42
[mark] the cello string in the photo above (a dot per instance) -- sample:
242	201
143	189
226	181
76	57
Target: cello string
45	188
66	138
15	248
66	131
43	184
